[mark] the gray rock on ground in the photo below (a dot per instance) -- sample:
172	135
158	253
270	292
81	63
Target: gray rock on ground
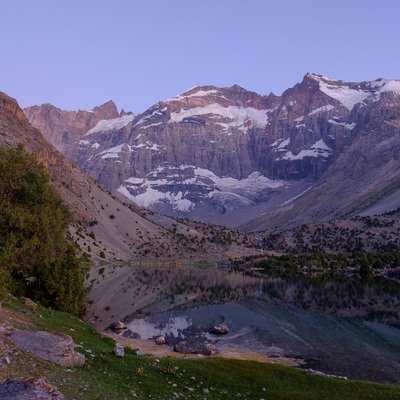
119	350
29	389
58	348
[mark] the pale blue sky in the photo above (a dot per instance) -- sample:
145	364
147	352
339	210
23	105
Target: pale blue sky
81	53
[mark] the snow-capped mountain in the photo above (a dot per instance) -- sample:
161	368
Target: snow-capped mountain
211	152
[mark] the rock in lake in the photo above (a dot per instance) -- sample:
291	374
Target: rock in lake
219	329
29	389
117	326
160	340
58	348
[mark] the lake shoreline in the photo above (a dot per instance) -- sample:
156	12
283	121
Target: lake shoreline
150	347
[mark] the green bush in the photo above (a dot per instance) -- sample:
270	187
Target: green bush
36	258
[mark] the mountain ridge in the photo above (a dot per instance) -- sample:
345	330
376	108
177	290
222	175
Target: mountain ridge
212	152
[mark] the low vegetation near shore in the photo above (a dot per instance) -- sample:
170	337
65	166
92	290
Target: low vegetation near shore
106	376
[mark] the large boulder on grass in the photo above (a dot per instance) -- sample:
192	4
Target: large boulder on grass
58	348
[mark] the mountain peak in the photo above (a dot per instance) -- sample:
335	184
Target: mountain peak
319	78
108	110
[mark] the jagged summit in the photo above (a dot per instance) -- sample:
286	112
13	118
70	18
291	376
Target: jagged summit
351	93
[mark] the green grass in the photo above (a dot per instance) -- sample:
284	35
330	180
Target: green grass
105	376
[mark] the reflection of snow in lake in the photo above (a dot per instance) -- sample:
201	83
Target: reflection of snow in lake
339	346
148	330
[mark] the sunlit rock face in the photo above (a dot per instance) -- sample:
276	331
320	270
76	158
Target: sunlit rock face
212	151
63	129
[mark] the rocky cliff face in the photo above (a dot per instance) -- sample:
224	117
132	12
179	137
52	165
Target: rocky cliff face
63	129
213	151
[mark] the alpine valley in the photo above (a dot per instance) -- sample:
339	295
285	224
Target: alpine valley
325	149
295	197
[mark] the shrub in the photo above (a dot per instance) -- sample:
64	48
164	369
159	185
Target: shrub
37	259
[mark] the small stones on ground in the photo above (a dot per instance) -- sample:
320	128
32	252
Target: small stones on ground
119	350
311	371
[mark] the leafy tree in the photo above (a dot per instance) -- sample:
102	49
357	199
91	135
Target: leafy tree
36	259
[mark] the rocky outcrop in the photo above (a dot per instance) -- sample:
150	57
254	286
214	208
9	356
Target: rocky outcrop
29	389
63	129
57	348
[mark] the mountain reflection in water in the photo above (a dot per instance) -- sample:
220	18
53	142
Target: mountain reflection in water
343	327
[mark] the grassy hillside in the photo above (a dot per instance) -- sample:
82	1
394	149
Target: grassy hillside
105	376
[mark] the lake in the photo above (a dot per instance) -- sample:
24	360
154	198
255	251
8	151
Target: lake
340	326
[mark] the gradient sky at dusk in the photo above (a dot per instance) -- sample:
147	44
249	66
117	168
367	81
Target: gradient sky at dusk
82	53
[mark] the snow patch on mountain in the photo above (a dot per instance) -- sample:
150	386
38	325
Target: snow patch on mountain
112	152
152	196
318	149
253	181
322	109
155	112
231	116
344	94
387	85
111	124
350	96
345	124
169	185
198	92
